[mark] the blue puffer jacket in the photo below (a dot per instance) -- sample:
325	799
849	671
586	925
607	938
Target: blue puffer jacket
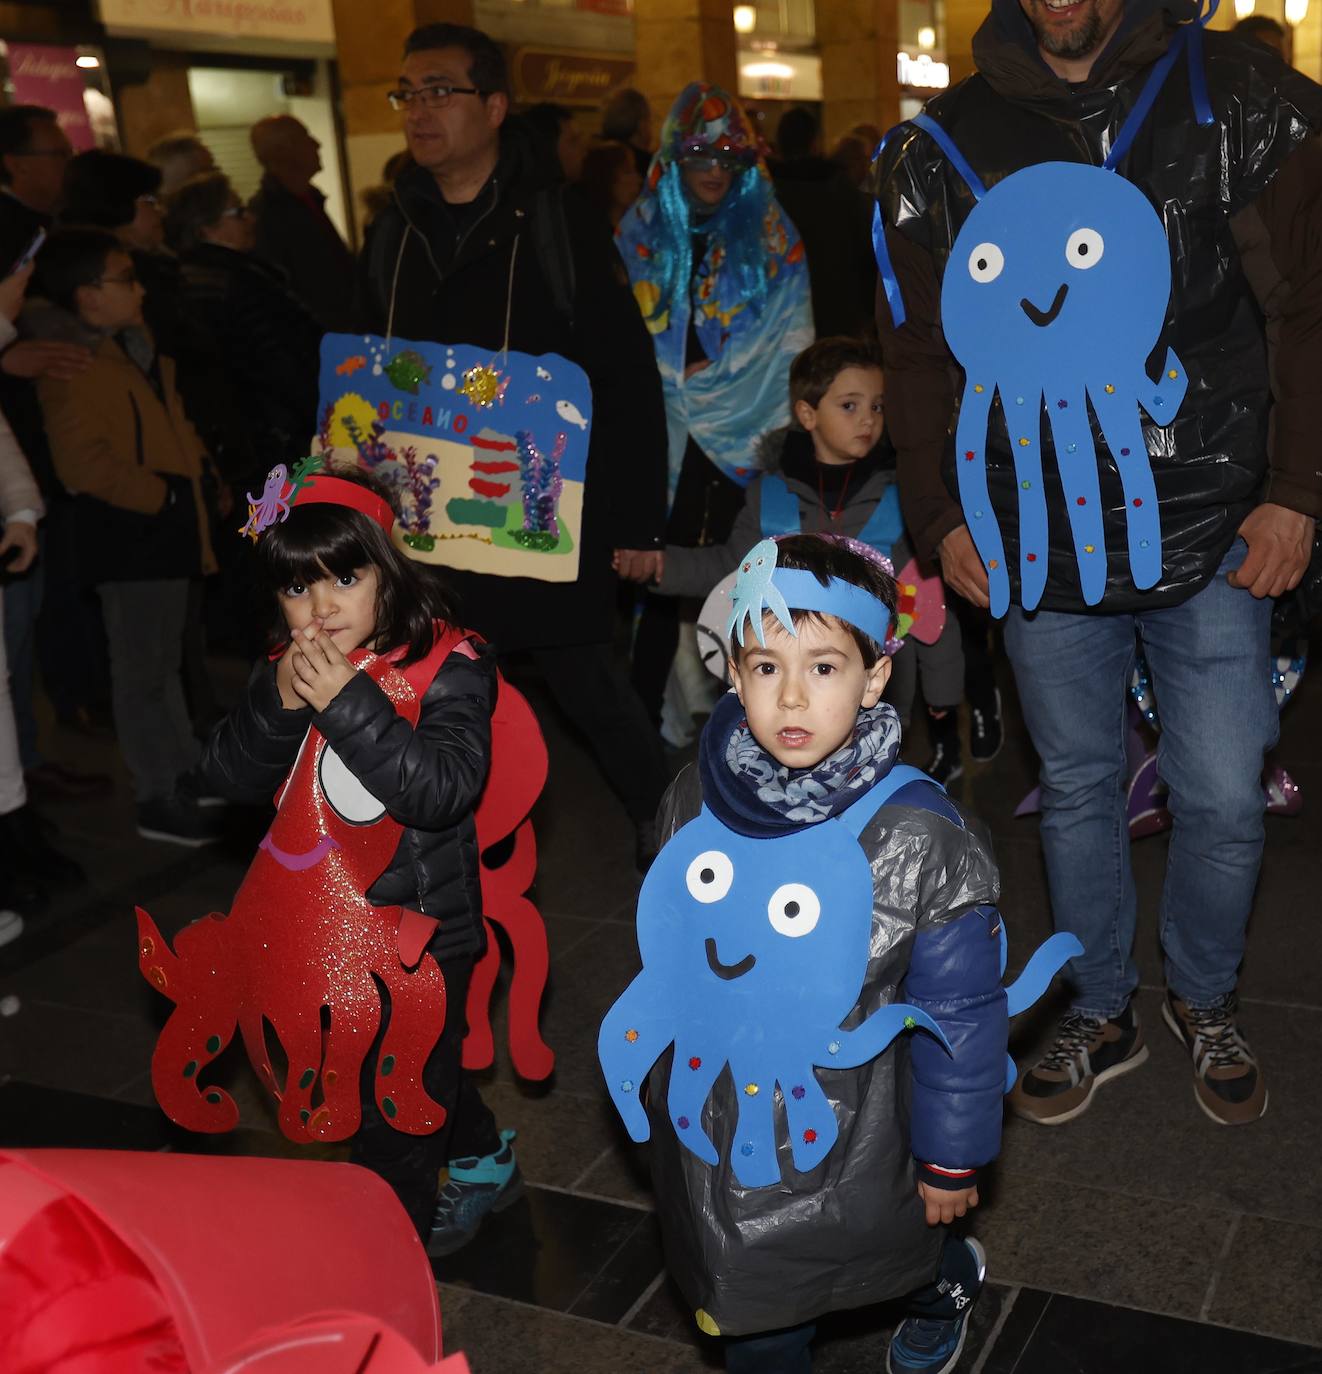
852	1230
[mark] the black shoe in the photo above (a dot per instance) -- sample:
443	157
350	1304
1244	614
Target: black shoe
193	787
986	734
176	820
945	764
27	851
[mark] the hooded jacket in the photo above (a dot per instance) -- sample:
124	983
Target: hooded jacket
851	1231
1238	200
789	454
447	274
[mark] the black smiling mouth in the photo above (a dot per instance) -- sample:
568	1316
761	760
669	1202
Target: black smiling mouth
727	971
1042	318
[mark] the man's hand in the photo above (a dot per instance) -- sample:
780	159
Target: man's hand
639	565
1280	543
961	566
943	1205
321	671
20	535
32	358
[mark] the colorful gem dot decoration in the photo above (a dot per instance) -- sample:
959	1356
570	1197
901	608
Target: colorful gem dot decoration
834	1047
1173	375
1110	390
1032	557
909	1023
978	388
1027	486
751	1089
797	1092
1023	443
1071	448
695	1062
745	1149
631	1036
1089	548
627	1086
683	1123
809	1136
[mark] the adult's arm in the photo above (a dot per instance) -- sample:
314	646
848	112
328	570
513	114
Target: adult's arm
694	572
612	345
1279	238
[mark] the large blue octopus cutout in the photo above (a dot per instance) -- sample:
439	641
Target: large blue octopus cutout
1055	292
754	952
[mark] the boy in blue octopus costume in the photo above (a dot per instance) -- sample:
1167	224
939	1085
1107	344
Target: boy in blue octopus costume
822	923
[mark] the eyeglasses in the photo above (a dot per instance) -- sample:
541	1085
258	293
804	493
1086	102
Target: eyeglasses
435	97
124	279
718	162
234	212
151	200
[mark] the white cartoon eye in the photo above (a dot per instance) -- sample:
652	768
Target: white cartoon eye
985	263
793	910
1084	249
349	799
709	876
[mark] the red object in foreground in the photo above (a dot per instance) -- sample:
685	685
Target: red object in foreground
113	1262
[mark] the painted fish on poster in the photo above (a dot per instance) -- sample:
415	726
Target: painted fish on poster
407	370
351	365
570	414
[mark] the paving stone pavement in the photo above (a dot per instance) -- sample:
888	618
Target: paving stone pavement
1140	1237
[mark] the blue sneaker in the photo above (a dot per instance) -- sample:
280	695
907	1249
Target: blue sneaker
475	1188
932	1345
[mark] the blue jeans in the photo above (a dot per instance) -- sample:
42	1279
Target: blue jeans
23	597
1208	658
776	1352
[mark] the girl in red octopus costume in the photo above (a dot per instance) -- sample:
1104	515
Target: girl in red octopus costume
370	723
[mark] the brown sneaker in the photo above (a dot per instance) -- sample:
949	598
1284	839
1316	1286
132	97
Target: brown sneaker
1227	1083
1086	1052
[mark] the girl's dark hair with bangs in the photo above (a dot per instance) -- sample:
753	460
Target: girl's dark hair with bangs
319	539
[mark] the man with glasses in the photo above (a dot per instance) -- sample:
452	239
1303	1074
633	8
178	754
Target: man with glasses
477	230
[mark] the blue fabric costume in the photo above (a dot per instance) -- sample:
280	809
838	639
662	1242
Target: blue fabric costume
747	299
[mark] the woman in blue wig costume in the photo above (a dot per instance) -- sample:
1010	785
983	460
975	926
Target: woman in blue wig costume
719	274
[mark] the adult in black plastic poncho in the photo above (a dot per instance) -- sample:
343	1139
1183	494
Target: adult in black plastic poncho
1231	173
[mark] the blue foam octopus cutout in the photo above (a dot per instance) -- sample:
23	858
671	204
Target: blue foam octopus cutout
754	951
755	594
1055	293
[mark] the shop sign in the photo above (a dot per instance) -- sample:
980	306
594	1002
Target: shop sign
291	21
572	78
48	76
922	72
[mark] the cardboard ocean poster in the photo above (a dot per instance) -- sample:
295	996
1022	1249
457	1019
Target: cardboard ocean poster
485	455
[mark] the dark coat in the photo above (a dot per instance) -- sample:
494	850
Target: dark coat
260	338
1213	187
851	1231
451	282
834	220
429	778
300	239
18	397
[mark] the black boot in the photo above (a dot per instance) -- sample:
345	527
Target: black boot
945	764
27	852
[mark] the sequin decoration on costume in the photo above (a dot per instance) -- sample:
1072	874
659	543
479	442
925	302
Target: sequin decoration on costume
301	939
483	386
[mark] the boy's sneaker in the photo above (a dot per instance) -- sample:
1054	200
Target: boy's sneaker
1086	1052
1227	1083
932	1345
475	1188
177	820
986	734
945	764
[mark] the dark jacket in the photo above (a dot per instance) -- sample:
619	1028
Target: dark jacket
429	779
298	237
451	279
1237	200
852	1231
834	221
788	453
261	341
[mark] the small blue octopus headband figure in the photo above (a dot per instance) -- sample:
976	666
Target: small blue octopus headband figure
761	587
1055	292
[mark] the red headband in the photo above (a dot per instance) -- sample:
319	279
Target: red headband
322	490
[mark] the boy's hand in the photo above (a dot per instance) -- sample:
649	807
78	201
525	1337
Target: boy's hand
321	671
943	1205
639	565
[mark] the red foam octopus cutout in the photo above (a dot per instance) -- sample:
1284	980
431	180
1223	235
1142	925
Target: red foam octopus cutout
301	937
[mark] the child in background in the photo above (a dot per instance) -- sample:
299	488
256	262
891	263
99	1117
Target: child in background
338	584
124	448
803	739
833	473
